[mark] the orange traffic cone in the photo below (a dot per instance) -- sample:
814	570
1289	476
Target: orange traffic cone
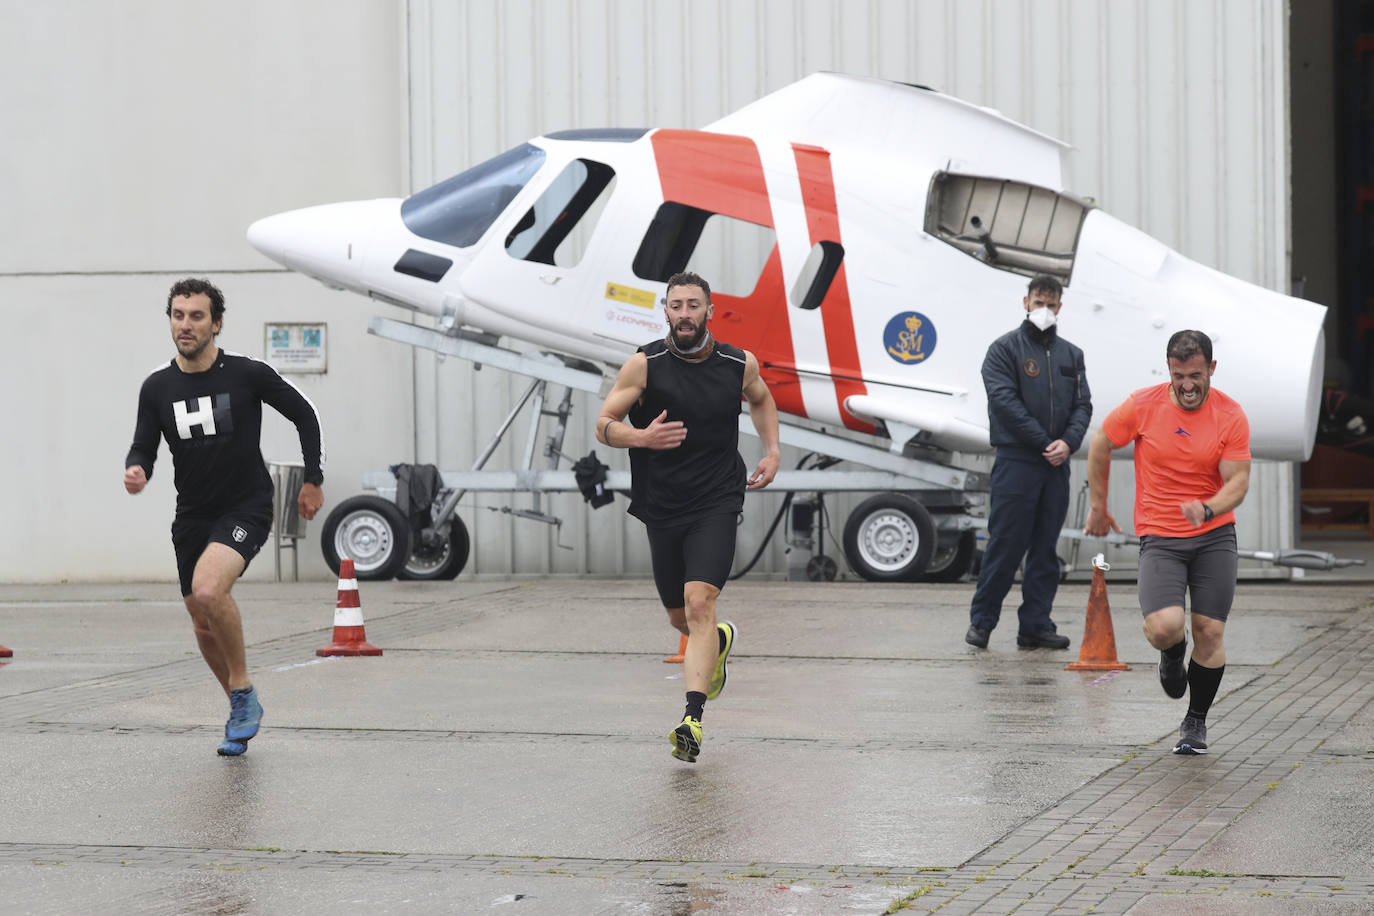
350	637
1098	652
6	653
681	648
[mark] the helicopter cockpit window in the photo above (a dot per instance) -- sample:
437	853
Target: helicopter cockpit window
1011	225
558	227
729	253
459	210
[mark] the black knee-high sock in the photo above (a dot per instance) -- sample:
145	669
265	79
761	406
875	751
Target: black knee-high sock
1202	688
696	704
1177	649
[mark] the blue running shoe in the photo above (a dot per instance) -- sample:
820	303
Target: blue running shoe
229	748
245	714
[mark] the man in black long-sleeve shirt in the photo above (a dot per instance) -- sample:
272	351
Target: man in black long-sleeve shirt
207	403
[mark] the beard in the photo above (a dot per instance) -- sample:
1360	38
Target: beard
191	349
686	340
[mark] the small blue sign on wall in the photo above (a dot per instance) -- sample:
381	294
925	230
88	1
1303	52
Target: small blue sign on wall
296	346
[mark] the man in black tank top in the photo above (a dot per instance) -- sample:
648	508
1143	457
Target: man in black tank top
676	406
207	404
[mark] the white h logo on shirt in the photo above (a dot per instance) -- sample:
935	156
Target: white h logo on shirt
204	417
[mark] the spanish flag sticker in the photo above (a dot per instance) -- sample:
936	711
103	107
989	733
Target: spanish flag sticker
640	297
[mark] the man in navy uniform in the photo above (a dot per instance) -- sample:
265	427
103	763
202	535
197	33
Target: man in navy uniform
1038	412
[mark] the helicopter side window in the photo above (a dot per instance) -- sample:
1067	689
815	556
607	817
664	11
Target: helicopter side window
730	253
458	210
557	229
817	274
1011	225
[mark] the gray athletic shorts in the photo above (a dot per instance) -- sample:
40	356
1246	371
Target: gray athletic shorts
1204	566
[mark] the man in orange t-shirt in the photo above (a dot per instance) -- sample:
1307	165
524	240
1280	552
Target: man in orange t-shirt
1192	469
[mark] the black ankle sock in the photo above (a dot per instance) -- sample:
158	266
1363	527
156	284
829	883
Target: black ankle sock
1177	650
1202	688
696	704
721	634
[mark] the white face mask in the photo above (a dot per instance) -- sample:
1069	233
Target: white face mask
1042	318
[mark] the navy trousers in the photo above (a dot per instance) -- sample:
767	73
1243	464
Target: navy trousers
1029	503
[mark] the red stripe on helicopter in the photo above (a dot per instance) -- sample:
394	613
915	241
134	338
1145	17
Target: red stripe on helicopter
823	222
722	173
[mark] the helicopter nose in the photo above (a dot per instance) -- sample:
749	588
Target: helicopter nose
325	242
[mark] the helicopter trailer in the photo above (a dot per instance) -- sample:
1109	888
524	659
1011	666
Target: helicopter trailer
921	525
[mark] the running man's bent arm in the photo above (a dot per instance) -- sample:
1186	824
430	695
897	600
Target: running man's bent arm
1235	483
763	411
1099	520
611	426
1235	476
138	464
289	401
629	386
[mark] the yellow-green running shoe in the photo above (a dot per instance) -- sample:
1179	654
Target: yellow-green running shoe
718	679
686	739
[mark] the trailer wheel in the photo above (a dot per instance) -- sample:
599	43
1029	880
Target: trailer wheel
821	568
369	530
949	562
444	559
889	538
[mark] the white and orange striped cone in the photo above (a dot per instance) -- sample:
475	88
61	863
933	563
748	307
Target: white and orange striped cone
350	637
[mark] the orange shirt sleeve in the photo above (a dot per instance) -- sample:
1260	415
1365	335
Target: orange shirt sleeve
1122	425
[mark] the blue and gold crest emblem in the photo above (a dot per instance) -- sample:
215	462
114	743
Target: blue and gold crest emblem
909	337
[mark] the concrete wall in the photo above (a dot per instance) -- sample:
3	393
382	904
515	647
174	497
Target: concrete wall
142	138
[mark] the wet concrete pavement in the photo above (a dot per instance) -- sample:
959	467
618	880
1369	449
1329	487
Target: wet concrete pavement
509	753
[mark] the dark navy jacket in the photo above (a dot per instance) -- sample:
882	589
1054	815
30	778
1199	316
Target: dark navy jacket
1037	392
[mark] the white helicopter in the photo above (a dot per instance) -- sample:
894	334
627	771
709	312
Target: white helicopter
864	238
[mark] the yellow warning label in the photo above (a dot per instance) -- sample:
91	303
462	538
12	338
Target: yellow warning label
640	297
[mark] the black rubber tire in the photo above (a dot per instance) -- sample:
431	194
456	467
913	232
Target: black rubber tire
950	563
372	532
445	561
889	538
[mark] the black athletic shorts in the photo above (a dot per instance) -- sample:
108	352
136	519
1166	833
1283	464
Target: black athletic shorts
1204	565
699	551
244	530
